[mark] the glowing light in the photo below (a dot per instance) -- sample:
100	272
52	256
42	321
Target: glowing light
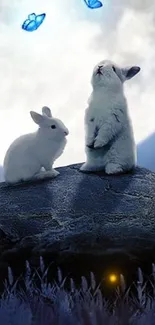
113	278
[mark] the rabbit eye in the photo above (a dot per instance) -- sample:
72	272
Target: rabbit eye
114	69
53	126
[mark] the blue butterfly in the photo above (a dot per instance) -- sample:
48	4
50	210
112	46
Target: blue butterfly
93	4
33	22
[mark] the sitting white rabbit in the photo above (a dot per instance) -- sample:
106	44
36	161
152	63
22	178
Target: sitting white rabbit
29	153
109	142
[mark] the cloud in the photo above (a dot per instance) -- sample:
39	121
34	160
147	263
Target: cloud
146	153
49	67
53	65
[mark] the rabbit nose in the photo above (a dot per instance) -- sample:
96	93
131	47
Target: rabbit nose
99	69
66	132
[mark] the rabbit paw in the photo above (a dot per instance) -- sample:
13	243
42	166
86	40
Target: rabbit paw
90	142
112	168
46	174
87	168
53	173
99	143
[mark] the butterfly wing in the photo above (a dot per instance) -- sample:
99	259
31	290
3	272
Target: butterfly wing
87	2
93	4
30	26
25	23
40	19
98	4
32	16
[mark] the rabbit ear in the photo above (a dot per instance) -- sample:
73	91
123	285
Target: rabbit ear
37	118
129	73
46	111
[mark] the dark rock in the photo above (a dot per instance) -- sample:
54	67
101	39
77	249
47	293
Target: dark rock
81	221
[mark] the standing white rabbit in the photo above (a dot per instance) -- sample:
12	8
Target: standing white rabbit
29	153
109	142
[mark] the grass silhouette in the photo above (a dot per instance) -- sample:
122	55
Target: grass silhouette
53	304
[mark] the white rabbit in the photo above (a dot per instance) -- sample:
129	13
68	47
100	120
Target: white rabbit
29	153
109	142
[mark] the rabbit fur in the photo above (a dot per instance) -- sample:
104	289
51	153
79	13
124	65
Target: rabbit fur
31	156
109	139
